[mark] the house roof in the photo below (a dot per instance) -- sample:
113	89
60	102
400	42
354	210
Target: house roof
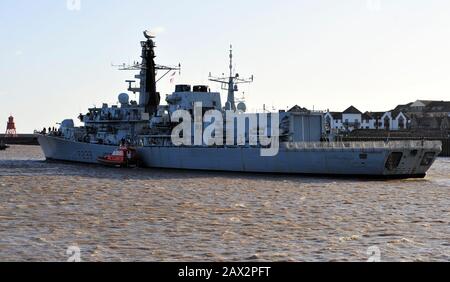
352	110
366	116
396	113
403	107
376	115
336	115
421	103
438	106
297	109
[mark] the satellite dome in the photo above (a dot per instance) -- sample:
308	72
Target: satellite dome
67	123
124	98
242	107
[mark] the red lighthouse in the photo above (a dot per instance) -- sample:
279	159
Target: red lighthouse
11	128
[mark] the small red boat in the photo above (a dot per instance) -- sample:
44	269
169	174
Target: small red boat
122	157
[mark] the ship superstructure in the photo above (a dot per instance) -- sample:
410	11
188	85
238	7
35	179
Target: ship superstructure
296	136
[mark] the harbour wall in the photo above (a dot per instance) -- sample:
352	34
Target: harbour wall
20	139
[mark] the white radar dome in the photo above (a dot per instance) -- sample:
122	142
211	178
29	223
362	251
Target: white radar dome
242	107
124	98
67	123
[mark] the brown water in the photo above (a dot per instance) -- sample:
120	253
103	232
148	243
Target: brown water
166	215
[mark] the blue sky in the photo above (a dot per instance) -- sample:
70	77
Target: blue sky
326	54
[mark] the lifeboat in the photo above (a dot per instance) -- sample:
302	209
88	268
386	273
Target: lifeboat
124	156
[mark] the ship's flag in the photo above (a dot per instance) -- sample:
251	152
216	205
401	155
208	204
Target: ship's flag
172	77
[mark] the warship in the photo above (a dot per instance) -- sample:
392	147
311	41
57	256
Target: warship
164	136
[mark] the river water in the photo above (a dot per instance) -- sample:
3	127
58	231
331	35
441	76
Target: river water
168	215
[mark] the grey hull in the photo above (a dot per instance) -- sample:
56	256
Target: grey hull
65	150
290	160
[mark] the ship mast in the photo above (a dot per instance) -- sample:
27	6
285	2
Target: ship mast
149	98
230	84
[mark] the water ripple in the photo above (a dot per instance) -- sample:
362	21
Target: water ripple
169	215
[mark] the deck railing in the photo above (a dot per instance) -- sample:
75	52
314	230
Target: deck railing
410	144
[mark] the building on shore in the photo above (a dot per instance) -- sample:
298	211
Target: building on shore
352	119
426	108
421	114
430	115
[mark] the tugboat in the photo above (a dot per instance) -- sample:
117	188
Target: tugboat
124	156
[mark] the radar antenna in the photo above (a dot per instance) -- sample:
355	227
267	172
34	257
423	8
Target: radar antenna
136	66
148	96
148	34
230	83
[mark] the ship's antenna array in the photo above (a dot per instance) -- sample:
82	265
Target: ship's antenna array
230	83
137	66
